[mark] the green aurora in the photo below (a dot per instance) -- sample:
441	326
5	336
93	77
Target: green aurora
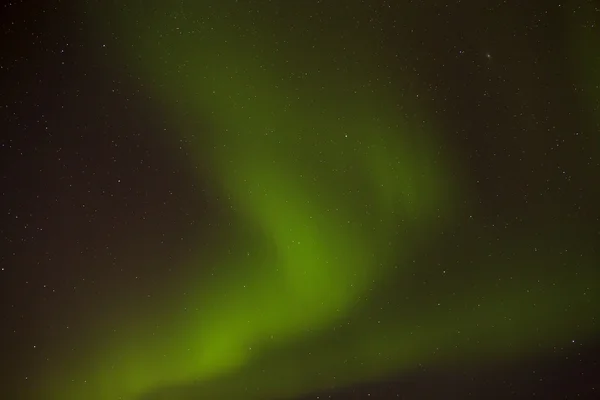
341	185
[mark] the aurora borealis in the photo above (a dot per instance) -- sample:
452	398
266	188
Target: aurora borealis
279	199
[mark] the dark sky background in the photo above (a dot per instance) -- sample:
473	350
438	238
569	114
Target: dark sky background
96	210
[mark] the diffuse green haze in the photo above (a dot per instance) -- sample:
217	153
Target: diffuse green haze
582	25
344	186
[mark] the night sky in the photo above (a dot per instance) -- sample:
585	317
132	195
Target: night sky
299	199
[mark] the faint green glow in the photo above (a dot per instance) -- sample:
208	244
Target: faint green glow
583	23
343	188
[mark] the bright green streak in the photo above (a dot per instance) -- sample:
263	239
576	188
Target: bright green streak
341	187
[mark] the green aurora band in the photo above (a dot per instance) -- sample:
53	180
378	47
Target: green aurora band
343	184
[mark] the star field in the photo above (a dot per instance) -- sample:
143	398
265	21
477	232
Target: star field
299	200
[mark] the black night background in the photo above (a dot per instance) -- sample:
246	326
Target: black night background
299	199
